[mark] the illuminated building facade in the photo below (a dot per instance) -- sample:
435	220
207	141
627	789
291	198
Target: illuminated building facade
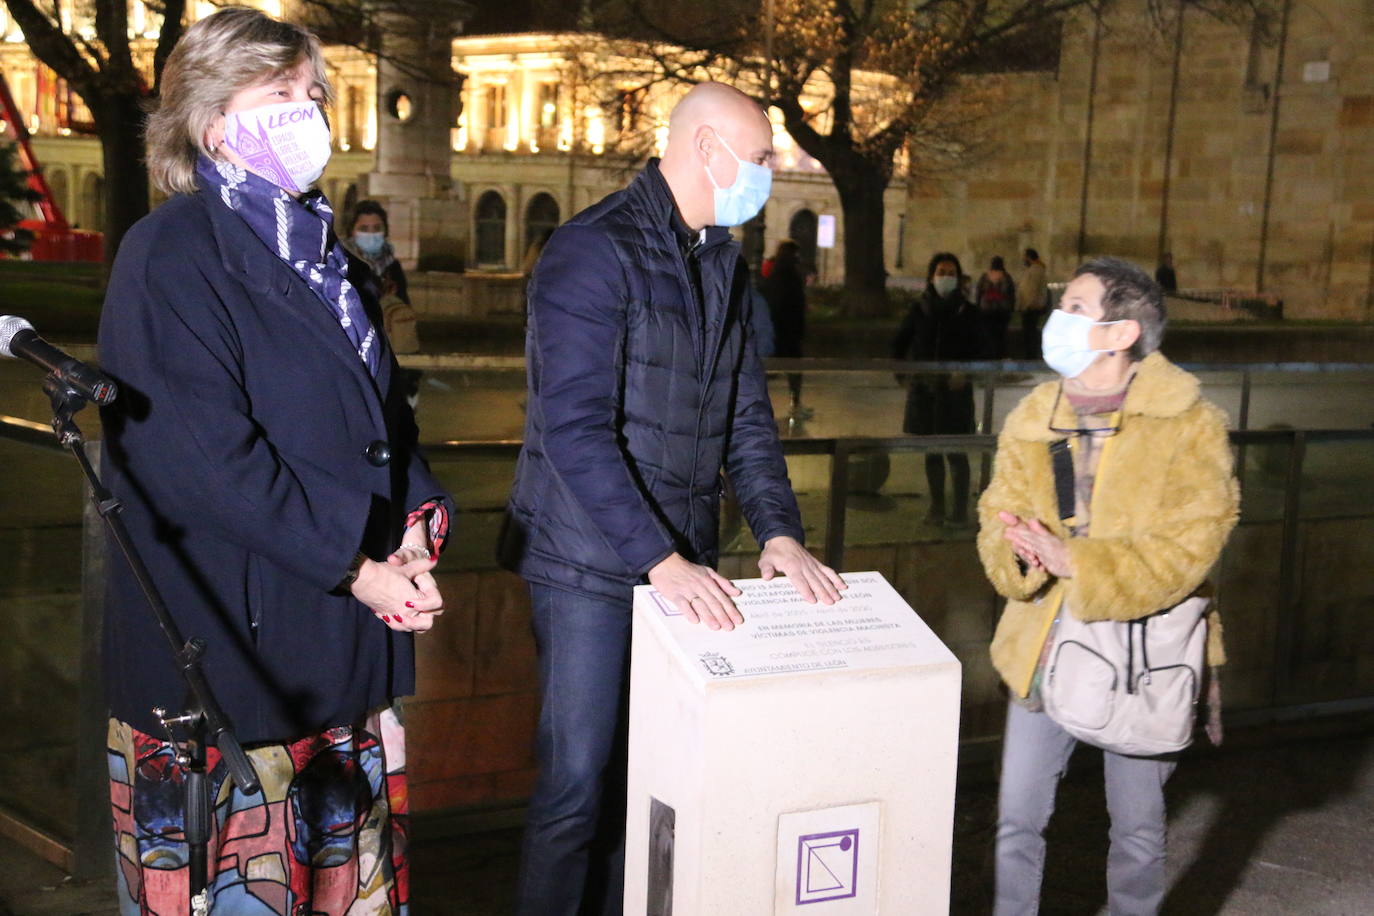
543	134
534	144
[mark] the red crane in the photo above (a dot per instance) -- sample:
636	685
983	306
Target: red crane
53	237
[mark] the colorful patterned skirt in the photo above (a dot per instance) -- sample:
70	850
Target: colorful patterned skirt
326	835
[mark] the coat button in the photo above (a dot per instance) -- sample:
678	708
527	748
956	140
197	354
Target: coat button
378	454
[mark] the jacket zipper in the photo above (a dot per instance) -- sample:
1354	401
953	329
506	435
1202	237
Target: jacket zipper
699	318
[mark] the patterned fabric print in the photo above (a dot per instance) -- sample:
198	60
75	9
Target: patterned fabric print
300	231
326	835
435	515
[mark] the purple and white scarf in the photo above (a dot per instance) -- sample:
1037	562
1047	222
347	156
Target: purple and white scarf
300	232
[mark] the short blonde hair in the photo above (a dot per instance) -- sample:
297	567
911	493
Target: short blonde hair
231	50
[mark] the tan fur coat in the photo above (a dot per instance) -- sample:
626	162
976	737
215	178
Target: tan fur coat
1163	505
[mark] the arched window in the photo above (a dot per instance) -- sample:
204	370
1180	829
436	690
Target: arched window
541	218
57	184
93	202
802	230
491	229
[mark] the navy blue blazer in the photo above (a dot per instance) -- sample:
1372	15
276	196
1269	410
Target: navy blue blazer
250	447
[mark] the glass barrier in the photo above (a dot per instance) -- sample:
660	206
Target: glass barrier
1329	651
1292	584
40	607
471	405
479	484
1310	400
910	512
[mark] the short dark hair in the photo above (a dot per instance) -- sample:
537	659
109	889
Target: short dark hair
369	208
1129	293
940	256
1032	254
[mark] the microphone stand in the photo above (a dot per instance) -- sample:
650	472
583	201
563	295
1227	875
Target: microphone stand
204	721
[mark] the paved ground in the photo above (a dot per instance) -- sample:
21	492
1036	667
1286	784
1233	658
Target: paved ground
1260	829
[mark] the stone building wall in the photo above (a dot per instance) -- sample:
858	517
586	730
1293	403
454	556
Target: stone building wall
1295	217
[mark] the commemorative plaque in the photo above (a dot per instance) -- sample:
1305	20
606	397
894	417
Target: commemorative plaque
808	757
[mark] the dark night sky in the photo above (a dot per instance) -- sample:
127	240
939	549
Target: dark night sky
498	16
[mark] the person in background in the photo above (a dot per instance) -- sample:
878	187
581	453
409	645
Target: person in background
784	286
995	296
943	326
1030	302
267	463
1154	501
367	241
1164	273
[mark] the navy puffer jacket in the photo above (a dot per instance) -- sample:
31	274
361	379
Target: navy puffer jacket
638	398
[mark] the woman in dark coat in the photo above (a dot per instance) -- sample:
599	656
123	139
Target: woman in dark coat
367	241
942	326
268	467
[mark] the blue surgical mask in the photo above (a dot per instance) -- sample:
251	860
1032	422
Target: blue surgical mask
370	243
945	285
1064	342
742	201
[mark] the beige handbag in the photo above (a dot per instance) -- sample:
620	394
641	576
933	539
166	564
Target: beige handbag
400	321
1128	686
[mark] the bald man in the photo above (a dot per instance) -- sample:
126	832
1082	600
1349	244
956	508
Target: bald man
644	386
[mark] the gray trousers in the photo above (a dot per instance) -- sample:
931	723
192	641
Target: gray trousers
1035	754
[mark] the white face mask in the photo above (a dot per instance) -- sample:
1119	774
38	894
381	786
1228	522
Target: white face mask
286	143
945	285
1064	341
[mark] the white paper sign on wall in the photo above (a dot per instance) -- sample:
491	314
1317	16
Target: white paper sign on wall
1316	71
825	230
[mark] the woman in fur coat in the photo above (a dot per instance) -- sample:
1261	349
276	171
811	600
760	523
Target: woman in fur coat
1154	499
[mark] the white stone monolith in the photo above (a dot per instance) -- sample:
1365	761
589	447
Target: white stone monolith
802	764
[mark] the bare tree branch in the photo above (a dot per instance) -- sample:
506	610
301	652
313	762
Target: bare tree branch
173	12
51	45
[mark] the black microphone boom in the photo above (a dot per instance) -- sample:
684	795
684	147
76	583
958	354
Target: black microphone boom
19	340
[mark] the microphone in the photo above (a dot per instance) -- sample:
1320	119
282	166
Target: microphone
18	340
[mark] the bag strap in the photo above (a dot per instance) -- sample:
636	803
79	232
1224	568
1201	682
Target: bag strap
1062	460
1130	656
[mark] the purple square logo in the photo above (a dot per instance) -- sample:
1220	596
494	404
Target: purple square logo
663	605
827	866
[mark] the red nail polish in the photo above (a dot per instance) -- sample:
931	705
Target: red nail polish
410	604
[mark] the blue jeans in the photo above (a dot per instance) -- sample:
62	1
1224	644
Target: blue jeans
573	858
1035	754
